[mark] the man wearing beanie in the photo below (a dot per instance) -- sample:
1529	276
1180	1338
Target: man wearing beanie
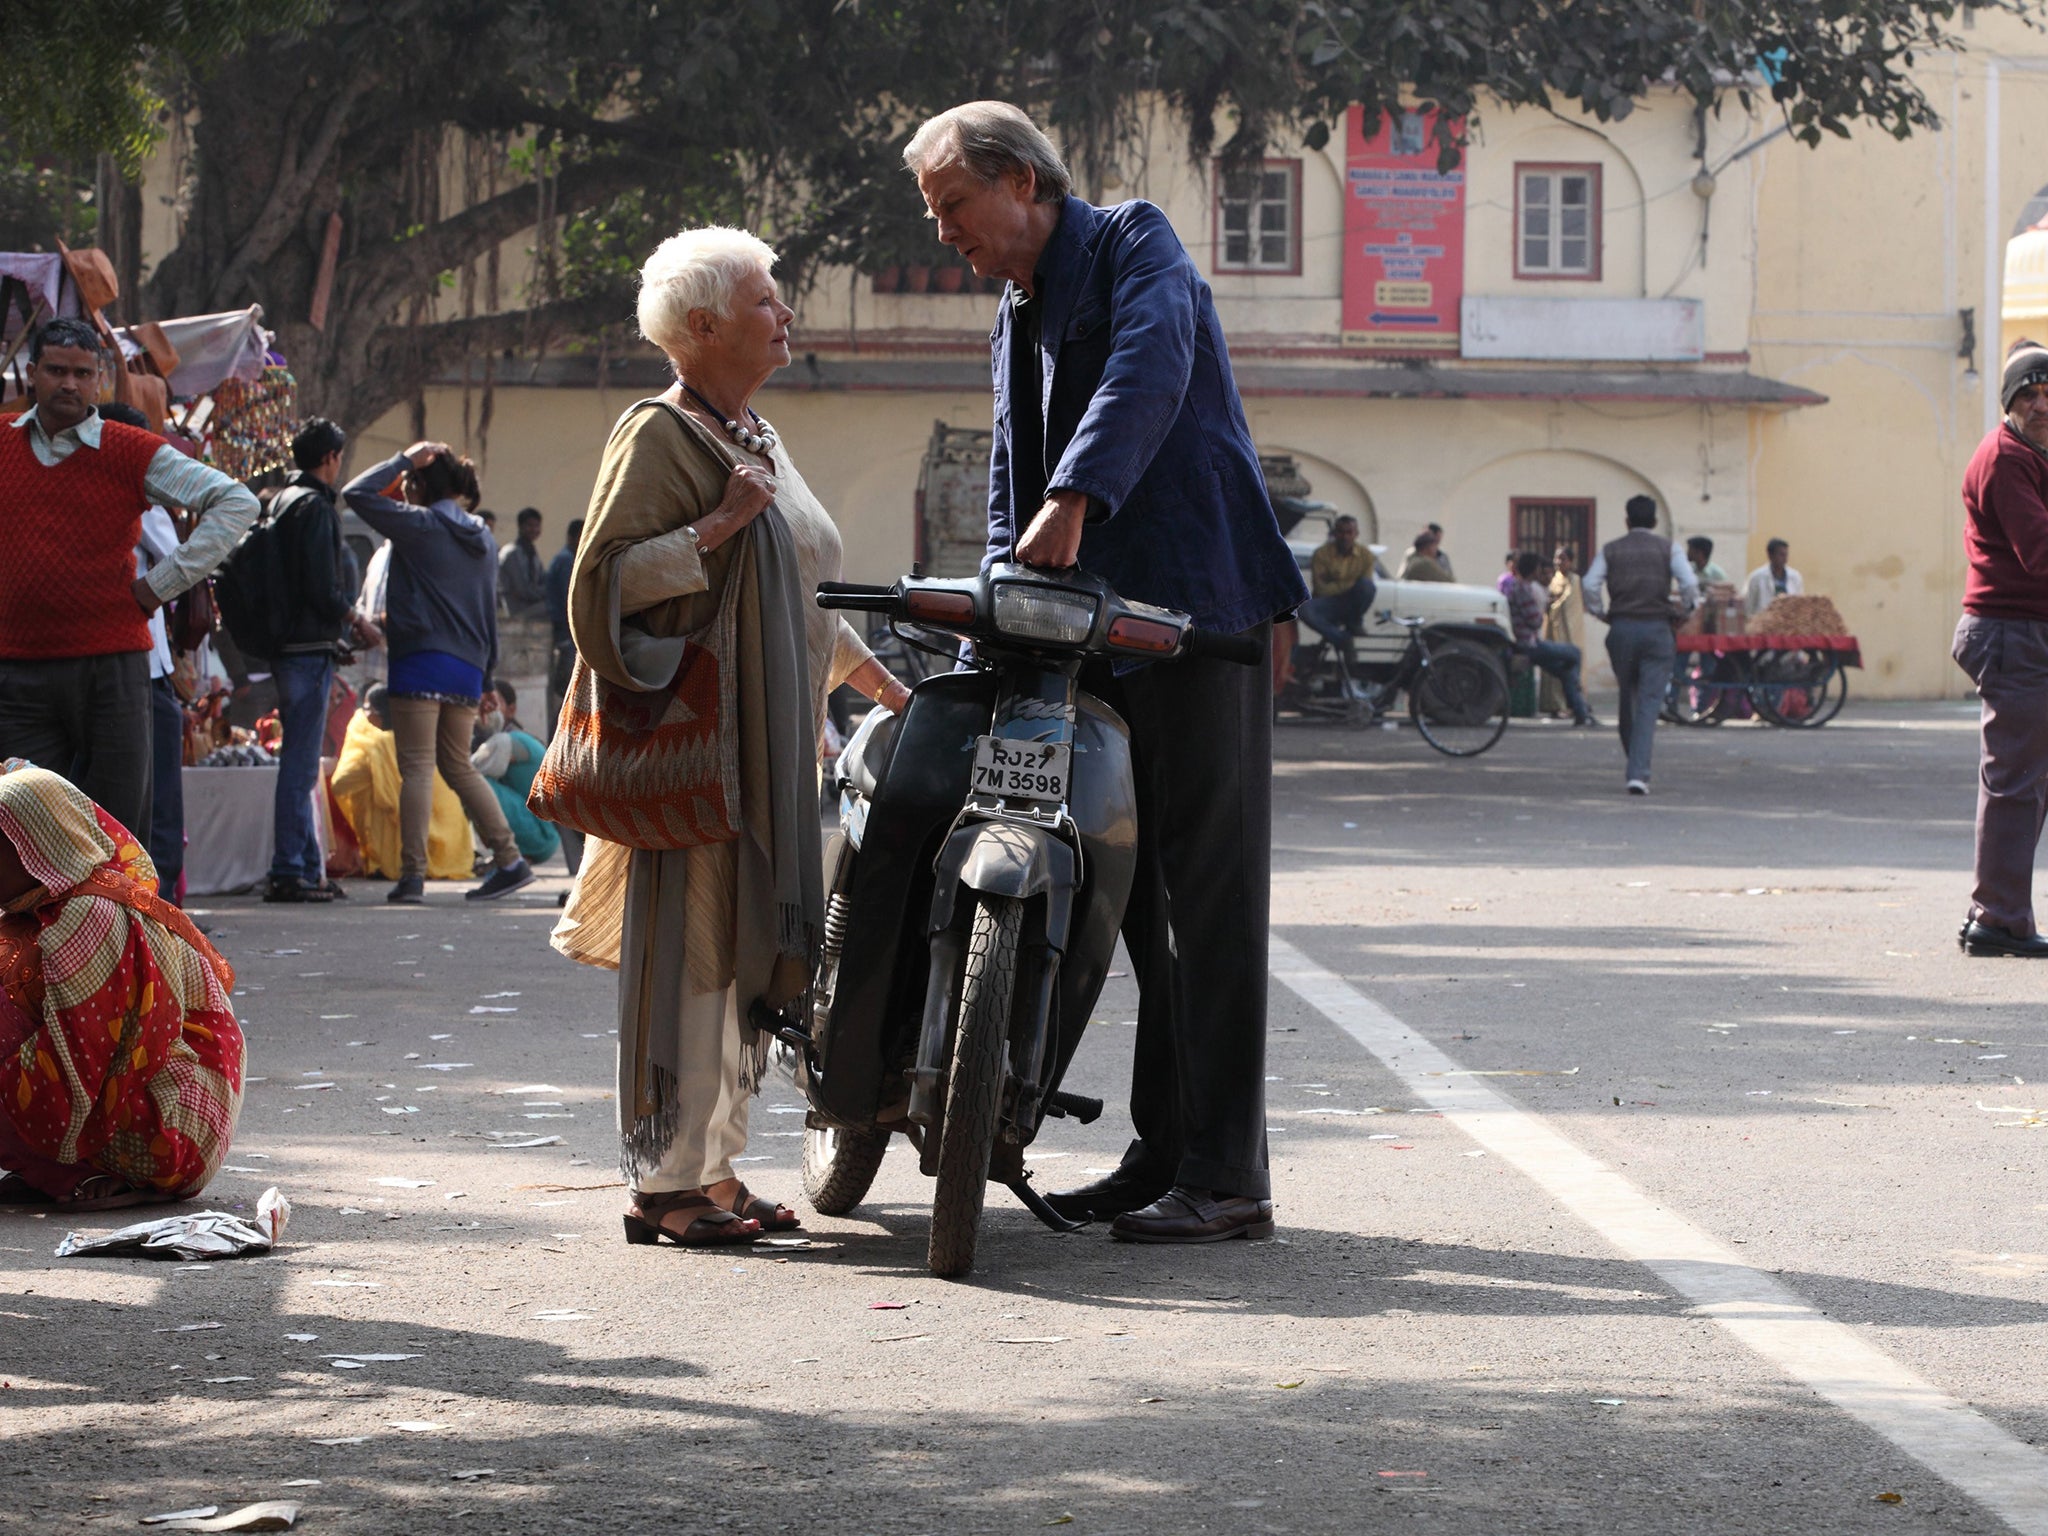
2002	642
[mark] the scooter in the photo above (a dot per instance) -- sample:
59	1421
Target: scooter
986	846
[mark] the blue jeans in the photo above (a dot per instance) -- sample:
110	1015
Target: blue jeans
1643	652
1339	615
1561	661
303	680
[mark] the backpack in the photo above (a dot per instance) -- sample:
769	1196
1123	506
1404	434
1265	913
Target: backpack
254	586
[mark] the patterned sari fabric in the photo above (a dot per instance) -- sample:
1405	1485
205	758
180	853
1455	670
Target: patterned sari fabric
119	1050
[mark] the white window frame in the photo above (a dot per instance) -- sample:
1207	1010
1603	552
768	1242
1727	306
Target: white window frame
1541	217
1255	229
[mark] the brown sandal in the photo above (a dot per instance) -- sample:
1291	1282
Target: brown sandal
716	1228
772	1217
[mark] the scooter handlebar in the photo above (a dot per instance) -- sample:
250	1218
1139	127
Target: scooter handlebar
1240	649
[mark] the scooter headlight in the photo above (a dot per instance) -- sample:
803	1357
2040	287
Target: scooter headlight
1039	613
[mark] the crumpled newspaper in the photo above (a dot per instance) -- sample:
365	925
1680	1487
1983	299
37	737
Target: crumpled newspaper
198	1235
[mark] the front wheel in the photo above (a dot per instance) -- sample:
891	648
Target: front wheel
974	1083
839	1166
1460	702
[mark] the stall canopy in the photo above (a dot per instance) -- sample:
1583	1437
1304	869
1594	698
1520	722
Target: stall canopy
212	349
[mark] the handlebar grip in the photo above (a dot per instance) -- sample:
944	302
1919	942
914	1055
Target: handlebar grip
858	596
1239	649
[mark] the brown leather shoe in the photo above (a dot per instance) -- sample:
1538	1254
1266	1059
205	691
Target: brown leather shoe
1123	1189
1187	1215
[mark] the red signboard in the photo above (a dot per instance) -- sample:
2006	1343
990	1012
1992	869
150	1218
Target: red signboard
1404	238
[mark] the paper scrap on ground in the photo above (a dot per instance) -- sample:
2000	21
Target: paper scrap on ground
395	1183
197	1235
531	1141
415	1426
271	1515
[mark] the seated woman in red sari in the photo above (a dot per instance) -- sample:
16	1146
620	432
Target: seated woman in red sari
120	1057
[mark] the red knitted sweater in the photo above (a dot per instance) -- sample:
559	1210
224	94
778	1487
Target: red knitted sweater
69	533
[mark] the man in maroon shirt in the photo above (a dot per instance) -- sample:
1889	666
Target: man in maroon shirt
2002	642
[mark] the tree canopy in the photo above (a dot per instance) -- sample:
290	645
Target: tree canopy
601	125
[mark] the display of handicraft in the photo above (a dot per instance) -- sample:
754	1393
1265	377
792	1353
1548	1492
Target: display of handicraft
251	428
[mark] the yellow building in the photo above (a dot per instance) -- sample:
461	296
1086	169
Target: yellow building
1768	340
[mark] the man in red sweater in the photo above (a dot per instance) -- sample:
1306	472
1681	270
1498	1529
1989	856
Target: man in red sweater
2002	642
74	616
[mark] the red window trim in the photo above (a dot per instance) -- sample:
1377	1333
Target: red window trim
1216	262
1598	231
1585	552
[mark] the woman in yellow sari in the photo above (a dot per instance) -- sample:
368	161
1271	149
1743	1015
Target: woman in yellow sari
1565	621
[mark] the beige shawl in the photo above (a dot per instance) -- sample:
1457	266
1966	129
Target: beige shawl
638	587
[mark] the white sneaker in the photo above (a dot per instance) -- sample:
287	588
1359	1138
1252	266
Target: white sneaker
1638	786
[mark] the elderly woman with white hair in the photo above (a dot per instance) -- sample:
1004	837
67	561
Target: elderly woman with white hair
700	526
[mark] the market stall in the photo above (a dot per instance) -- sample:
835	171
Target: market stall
1791	680
229	818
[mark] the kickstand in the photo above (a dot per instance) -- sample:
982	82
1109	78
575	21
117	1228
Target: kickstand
1034	1202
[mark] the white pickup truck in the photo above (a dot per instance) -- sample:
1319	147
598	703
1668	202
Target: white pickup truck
1476	613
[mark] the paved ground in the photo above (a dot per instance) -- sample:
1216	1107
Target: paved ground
1743	995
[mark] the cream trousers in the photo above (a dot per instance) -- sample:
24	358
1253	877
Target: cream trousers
712	1105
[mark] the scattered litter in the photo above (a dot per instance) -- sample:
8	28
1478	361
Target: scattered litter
398	1183
190	1328
783	1242
487	1008
759	1157
415	1426
493	996
271	1515
351	1210
1383	1136
238	1168
565	1114
348	1285
472	1474
440	1037
887	1306
401	1109
531	1141
301	1482
223	1381
1286	1386
1607	1402
199	1235
899	1338
1845	1104
344	1440
1151	1399
1050	1338
530	1088
1758	1093
1474	1154
564	1189
357	1359
1320	1110
1509	1072
1890	1498
443	1066
307	1087
1061	1519
561	1315
302	1338
182	1514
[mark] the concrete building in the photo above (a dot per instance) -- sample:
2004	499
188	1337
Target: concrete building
1769	340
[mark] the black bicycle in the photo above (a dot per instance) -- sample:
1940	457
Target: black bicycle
1457	689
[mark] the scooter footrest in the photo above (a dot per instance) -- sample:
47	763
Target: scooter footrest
1073	1106
779	1026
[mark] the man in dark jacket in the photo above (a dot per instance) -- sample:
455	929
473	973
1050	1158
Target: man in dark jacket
2002	642
1120	443
307	526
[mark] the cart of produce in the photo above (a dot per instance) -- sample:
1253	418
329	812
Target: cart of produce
1789	679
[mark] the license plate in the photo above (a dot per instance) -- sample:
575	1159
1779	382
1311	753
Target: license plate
1021	770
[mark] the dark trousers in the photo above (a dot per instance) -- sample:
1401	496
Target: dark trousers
303	679
2008	661
1561	660
166	786
1202	751
1643	652
87	718
1342	613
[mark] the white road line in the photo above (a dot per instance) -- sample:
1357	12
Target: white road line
1953	1441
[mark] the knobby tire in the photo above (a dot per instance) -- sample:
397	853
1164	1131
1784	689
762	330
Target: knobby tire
974	1083
839	1165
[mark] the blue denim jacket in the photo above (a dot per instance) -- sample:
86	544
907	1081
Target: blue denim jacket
1141	413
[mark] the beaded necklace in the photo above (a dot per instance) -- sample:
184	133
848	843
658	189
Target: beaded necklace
761	442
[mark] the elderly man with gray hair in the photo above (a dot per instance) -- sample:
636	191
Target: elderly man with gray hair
1121	444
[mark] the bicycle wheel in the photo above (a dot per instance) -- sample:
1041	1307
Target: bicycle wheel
1695	697
1800	690
1460	701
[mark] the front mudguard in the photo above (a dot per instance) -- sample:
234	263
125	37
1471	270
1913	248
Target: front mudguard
1003	858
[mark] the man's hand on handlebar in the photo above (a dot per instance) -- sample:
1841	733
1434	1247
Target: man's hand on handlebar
1053	541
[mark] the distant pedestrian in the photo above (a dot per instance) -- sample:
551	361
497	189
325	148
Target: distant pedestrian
522	577
1442	555
2002	642
1630	587
1527	606
313	599
1699	553
1772	580
1422	563
1564	621
1509	577
441	607
75	694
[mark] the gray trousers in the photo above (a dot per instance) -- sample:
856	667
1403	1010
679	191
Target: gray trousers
2008	661
87	718
1643	652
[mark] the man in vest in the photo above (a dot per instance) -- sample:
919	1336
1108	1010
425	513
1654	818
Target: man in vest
1630	587
74	616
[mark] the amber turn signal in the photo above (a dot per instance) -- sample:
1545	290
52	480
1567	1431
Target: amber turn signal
1148	636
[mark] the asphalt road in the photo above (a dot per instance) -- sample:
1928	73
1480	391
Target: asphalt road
1741	997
